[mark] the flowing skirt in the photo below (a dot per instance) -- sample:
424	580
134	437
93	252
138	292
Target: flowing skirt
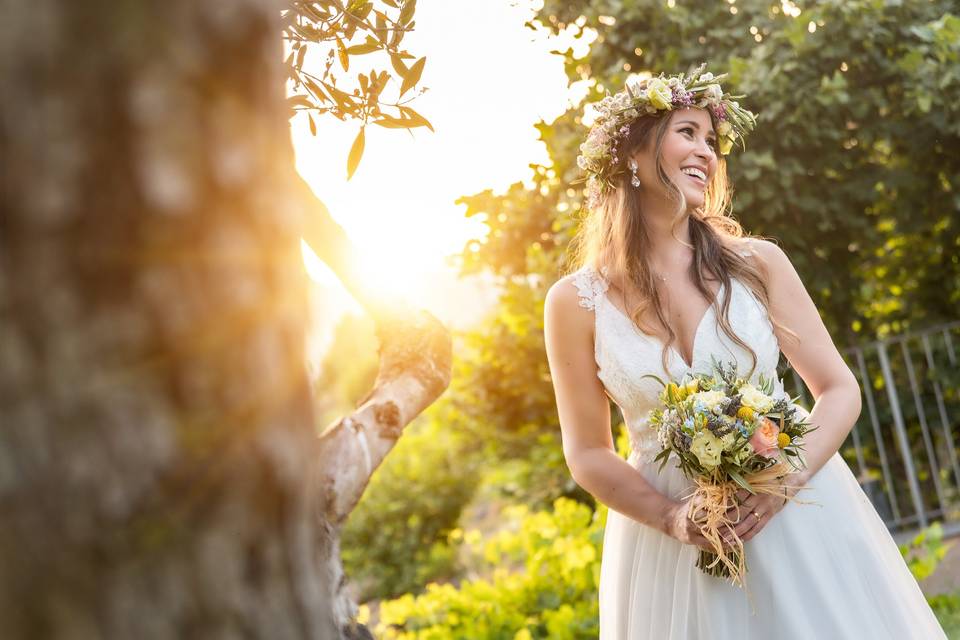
816	571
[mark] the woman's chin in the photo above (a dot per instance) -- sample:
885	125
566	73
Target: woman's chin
695	200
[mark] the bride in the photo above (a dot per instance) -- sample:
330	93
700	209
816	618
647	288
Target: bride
666	282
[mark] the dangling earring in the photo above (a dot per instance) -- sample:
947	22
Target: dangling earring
634	179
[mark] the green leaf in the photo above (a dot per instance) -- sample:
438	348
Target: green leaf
413	77
380	81
392	123
416	118
657	378
663	464
398	65
406	13
342	53
356	152
299	101
739	479
360	49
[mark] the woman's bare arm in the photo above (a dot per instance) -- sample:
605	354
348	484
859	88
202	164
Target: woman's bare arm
813	355
585	415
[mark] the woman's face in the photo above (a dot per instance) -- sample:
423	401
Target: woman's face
689	143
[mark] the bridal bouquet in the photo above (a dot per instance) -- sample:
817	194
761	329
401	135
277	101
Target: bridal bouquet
728	434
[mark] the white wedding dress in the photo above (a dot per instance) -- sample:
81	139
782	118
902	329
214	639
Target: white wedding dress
826	571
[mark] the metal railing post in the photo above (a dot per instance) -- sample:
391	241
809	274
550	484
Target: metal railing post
901	431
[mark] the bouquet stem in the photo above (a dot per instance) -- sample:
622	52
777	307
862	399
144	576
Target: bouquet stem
716	497
707	563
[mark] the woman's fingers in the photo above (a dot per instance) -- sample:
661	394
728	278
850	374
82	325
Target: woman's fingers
757	528
743	524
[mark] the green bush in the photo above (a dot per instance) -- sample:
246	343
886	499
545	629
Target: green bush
396	540
946	606
925	551
537	578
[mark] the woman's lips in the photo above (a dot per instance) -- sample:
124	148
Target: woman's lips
699	182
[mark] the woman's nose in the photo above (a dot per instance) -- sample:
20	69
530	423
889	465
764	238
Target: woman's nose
705	151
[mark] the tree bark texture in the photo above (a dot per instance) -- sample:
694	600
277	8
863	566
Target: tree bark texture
160	473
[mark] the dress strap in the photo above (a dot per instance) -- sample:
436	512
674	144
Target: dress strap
590	286
746	249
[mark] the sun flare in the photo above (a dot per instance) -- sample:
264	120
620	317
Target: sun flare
399	206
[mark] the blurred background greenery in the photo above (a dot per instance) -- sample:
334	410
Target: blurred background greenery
472	527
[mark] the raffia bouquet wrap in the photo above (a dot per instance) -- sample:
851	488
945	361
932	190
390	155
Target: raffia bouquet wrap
728	434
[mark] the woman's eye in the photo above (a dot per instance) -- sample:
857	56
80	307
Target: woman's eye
712	141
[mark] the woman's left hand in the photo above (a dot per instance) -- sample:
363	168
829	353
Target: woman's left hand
756	510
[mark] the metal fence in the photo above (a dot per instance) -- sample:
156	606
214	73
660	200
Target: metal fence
903	448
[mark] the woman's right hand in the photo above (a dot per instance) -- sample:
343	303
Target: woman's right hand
680	525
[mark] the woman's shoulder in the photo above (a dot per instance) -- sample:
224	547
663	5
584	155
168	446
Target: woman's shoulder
767	251
768	255
569	307
581	288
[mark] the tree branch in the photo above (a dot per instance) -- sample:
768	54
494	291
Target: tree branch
415	368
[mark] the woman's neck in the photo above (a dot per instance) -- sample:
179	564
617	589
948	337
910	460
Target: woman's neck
670	251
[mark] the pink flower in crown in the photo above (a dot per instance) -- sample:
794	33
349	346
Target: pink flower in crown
720	111
681	97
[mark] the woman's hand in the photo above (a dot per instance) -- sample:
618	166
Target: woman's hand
680	525
756	510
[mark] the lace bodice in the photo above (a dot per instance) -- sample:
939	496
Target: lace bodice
624	354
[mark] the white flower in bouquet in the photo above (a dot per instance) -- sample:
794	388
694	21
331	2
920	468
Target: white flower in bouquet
709	400
757	400
707	447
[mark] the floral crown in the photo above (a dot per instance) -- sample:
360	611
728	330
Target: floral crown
648	96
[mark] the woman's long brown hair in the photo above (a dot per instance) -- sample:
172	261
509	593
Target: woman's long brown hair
614	235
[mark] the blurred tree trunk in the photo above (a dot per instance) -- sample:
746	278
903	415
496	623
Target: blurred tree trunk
160	472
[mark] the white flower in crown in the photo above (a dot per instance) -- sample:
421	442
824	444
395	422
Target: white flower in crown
637	84
595	145
659	94
713	94
707	77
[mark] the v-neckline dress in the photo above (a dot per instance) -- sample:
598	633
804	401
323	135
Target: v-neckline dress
825	571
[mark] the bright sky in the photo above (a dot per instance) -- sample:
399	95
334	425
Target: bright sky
489	79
